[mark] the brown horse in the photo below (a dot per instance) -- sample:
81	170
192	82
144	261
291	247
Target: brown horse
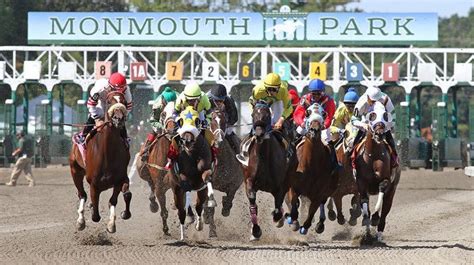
153	171
267	167
312	176
374	175
105	164
227	176
346	185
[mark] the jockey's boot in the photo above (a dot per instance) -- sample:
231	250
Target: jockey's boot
81	137
334	161
394	161
234	142
243	156
146	147
359	136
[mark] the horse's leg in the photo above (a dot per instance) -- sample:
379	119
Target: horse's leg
364	201
309	219
160	193
78	177
189	210
387	205
331	213
201	198
278	217
293	217
210	211
211	202
340	216
152	197
355	211
227	201
252	197
179	203
378	206
127	197
112	205
95	194
322	218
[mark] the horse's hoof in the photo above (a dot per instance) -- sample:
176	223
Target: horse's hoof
111	228
355	211
226	211
90	205
166	231
95	218
190	219
154	207
81	225
352	221
295	226
199	225
288	220
332	215
256	232
211	203
126	215
280	222
341	220
320	228
379	237
375	219
212	233
366	221
303	231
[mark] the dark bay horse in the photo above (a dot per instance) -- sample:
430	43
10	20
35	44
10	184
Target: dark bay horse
311	175
227	176
375	176
105	164
267	167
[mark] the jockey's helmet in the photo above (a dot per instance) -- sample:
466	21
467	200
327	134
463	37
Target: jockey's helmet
374	93
295	99
192	91
351	96
218	92
316	85
168	94
272	80
118	82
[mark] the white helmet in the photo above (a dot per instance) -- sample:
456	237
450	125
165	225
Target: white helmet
374	93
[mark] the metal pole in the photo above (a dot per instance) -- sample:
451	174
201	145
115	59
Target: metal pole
418	112
13	118
25	108
61	108
454	115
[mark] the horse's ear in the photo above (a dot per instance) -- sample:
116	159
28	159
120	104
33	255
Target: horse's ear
180	122
197	123
308	112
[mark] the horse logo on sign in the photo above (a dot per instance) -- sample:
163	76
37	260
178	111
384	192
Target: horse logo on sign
288	27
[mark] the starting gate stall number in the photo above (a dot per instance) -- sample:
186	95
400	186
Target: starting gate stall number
174	71
246	71
103	69
391	72
32	70
426	72
138	71
210	71
2	70
283	70
354	72
462	72
66	70
318	70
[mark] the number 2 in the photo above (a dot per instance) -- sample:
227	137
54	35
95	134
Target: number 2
211	69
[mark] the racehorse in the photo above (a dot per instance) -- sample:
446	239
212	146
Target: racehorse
267	167
374	173
227	176
346	184
312	175
153	171
105	163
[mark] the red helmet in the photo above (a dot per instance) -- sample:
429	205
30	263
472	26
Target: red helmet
118	82
295	99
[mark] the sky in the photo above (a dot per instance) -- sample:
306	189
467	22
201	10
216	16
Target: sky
444	8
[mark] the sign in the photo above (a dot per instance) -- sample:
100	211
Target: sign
426	72
318	70
210	71
246	71
390	72
174	71
138	71
354	72
67	70
283	70
463	72
2	70
102	69
238	29
32	70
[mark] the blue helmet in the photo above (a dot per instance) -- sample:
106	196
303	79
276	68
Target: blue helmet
316	85
351	96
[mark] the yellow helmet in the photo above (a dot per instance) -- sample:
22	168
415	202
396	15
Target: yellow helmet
272	80
192	91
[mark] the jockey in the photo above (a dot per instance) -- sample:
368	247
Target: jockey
225	103
316	95
275	93
344	112
168	95
97	99
365	105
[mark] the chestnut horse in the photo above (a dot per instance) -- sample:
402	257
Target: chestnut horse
227	176
105	163
374	175
267	167
311	175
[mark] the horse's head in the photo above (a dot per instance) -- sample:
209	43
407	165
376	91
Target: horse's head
379	122
314	125
116	110
218	125
166	118
261	118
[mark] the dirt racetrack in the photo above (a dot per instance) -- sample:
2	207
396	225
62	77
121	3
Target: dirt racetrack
432	220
